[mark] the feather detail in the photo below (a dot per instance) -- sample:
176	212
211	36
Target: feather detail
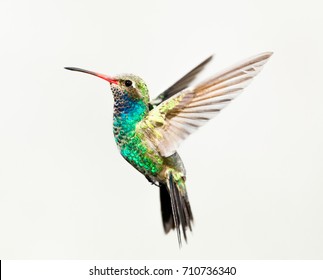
172	121
181	84
180	216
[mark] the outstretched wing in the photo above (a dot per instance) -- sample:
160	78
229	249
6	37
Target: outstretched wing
181	83
171	122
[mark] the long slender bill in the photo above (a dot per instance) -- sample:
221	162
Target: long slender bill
102	76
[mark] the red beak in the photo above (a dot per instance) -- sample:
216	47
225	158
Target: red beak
102	76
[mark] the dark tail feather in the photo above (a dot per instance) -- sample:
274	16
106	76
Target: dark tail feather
166	208
176	209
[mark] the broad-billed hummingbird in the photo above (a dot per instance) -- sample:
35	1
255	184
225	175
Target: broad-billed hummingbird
148	132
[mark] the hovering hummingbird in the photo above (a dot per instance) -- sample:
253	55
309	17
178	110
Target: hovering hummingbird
148	132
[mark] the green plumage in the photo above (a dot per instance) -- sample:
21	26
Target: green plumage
128	112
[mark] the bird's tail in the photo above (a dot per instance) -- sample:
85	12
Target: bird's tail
175	206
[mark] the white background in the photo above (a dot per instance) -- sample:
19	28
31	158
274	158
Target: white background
254	173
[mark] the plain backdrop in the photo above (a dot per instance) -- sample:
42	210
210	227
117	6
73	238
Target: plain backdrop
254	172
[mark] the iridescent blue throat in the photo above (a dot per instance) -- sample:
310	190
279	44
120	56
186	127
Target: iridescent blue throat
127	113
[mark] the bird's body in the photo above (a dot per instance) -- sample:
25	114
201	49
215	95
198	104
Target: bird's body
127	114
134	147
148	132
141	153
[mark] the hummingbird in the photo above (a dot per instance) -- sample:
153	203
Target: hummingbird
149	131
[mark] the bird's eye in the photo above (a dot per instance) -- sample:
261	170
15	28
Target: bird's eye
128	83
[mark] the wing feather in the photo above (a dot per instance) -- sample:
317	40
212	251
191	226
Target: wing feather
181	84
172	121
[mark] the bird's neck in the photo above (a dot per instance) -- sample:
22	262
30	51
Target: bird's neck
126	114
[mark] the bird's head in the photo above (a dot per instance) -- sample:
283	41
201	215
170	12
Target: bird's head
125	84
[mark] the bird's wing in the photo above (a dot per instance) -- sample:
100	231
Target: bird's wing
181	84
168	124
